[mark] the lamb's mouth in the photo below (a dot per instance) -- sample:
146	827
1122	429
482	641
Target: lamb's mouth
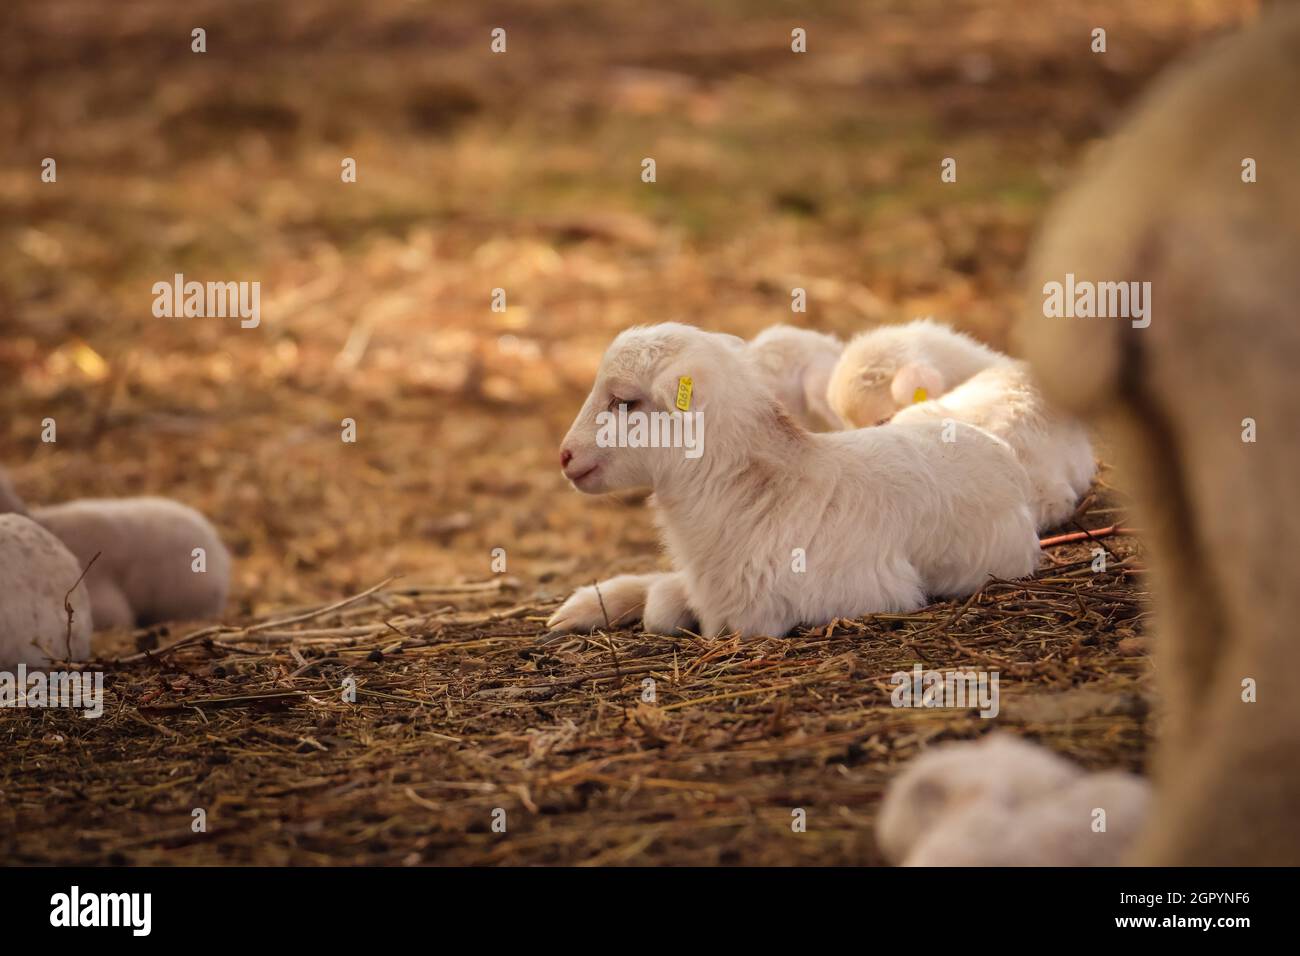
578	479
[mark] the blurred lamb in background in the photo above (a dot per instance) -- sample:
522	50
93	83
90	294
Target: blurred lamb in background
146	571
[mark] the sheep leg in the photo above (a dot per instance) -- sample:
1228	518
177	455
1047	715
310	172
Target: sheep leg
1055	505
614	603
667	606
109	608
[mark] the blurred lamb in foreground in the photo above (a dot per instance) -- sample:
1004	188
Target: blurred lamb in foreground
36	574
1203	405
1004	802
145	572
771	526
927	371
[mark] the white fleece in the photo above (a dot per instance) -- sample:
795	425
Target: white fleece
36	573
144	573
927	371
1001	801
797	365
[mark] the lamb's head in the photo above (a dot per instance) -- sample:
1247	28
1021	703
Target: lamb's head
656	389
877	376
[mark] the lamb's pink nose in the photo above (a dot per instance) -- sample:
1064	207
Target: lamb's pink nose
566	456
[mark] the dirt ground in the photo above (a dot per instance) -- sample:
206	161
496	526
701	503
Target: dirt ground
519	171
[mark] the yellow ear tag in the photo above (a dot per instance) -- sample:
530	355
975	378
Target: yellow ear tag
684	386
918	396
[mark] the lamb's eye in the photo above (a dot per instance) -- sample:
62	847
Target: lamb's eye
614	402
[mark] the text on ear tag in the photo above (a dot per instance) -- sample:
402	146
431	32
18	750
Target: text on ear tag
684	386
919	396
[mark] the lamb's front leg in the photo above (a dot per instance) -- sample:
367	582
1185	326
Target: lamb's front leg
616	602
667	606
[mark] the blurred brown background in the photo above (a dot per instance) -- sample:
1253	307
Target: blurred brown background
478	171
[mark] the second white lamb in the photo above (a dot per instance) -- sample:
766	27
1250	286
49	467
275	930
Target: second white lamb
925	371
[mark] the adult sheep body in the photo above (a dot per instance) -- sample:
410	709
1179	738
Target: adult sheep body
1179	399
773	526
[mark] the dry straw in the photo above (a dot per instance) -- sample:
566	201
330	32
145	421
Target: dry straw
464	704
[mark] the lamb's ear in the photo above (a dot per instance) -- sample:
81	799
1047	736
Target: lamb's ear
916	382
674	387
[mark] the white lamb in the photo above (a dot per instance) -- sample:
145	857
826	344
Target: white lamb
146	570
769	526
1004	802
797	365
925	370
36	573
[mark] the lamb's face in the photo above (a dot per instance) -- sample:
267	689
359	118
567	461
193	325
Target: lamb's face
632	429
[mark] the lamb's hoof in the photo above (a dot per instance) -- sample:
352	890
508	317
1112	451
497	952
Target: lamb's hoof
581	612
